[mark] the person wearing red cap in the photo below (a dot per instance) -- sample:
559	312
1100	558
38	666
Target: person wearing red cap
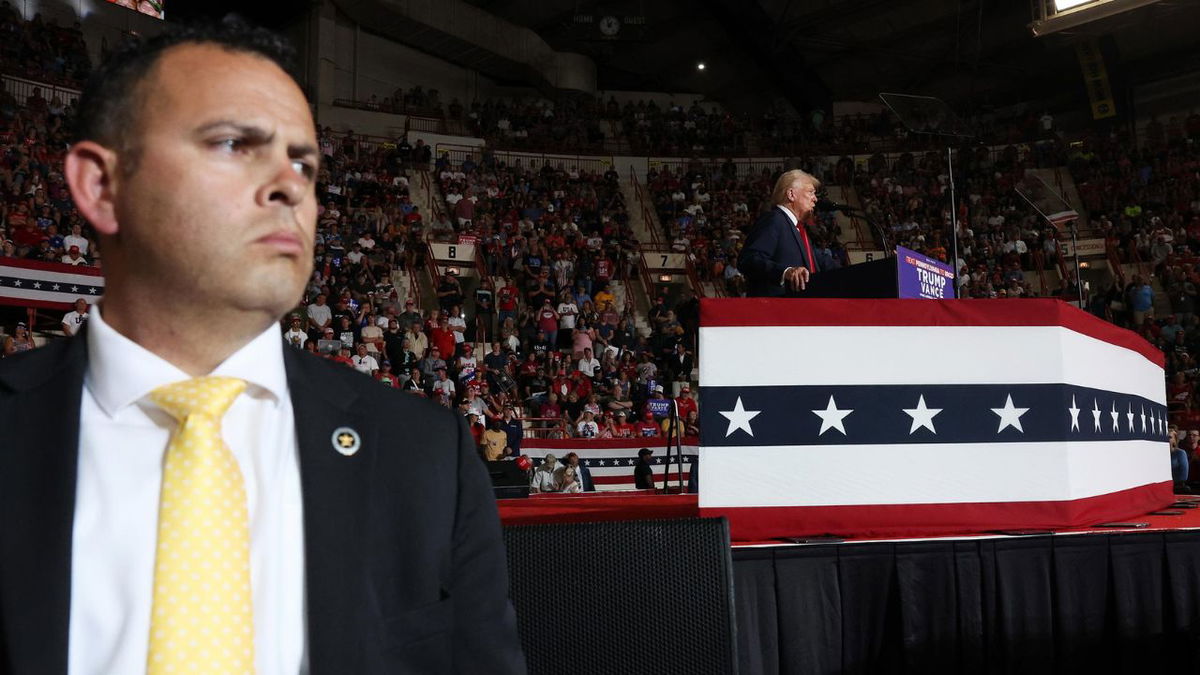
646	427
685	403
73	257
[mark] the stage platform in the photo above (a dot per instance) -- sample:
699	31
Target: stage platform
544	509
1096	600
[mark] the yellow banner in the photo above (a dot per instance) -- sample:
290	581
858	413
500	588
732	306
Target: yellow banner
1095	78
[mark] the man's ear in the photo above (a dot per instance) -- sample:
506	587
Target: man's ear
90	170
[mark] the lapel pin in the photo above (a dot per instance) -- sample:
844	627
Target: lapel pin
346	441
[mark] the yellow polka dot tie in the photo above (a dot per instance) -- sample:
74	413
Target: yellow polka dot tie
202	617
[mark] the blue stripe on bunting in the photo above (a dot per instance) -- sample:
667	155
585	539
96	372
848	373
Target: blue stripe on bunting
783	415
33	284
628	462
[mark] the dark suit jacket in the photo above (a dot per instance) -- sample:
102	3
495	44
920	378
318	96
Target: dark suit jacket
772	246
404	562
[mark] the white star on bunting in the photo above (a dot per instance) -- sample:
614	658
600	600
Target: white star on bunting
1115	416
921	416
1096	414
739	418
831	417
1143	419
1010	416
1074	410
1129	417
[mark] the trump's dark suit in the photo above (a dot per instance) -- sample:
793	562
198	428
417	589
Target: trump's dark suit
772	246
404	563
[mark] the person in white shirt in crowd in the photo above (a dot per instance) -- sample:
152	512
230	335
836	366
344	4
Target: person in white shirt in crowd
76	239
567	312
587	427
543	479
458	324
443	387
320	316
74	319
364	362
588	363
73	256
295	334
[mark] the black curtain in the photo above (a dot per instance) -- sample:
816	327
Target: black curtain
1121	602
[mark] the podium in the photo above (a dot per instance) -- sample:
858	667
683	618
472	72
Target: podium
886	417
907	274
872	279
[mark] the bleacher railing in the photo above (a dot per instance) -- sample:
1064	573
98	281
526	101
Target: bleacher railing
391	107
535	160
21	89
649	217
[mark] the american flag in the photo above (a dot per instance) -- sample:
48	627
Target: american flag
925	416
611	461
30	283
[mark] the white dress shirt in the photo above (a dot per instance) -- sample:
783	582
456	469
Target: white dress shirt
122	441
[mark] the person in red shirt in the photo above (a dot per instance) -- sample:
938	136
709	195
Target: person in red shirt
547	321
583	386
1187	417
506	302
385	375
442	337
646	427
1179	391
343	357
622	428
562	384
685	402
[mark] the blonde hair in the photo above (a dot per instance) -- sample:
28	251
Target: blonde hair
787	180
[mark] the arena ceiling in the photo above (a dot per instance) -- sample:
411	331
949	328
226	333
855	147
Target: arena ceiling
973	53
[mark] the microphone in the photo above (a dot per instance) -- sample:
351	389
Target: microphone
826	206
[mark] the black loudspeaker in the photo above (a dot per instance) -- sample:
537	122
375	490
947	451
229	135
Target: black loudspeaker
644	596
508	481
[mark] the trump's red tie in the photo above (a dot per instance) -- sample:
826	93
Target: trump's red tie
808	254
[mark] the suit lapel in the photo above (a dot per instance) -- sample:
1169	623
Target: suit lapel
41	449
335	515
795	230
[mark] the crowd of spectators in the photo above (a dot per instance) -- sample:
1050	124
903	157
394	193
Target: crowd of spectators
564	351
1144	199
576	123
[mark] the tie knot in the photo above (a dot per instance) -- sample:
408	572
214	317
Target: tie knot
210	396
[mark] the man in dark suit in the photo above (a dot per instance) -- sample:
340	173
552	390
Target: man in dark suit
374	544
777	258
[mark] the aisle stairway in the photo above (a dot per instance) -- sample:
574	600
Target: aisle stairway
644	231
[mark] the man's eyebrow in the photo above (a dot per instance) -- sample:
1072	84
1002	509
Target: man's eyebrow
257	135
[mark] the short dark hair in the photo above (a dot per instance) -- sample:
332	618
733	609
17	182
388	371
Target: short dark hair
111	100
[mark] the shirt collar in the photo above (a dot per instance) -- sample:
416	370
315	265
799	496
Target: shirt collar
121	372
788	212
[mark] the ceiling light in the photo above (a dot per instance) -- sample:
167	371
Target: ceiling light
700	66
1061	5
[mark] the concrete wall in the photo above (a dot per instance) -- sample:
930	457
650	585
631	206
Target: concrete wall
356	64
